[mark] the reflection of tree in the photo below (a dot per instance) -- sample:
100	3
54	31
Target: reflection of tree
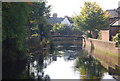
42	59
89	67
39	59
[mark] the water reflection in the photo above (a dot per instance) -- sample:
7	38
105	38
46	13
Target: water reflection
64	62
70	63
38	63
14	70
89	67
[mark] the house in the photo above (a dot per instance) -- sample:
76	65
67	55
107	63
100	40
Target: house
113	15
67	21
114	25
54	19
115	28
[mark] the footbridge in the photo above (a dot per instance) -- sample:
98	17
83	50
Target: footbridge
67	39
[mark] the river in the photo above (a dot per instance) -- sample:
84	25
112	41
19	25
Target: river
71	63
64	62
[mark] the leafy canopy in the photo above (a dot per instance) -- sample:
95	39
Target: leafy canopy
91	17
38	19
14	17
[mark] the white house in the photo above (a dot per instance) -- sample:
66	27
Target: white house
67	21
55	19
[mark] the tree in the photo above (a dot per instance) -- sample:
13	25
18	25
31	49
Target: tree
116	39
17	20
14	29
91	17
14	33
38	18
15	17
38	27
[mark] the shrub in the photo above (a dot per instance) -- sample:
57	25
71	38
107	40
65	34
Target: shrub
89	35
100	35
116	39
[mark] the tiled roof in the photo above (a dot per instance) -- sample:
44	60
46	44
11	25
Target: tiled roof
117	23
112	13
70	20
53	20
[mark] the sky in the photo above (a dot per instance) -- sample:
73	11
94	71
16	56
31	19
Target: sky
72	7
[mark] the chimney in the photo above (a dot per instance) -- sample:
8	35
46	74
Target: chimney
54	14
119	4
118	9
66	16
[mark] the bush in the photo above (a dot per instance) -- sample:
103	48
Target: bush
89	35
100	35
116	39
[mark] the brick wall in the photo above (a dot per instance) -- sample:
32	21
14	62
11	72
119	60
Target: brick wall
105	35
114	30
104	50
103	45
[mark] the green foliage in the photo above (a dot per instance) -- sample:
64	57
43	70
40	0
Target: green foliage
89	35
14	22
38	18
58	27
100	35
116	39
90	67
39	30
39	11
22	21
23	27
91	17
65	30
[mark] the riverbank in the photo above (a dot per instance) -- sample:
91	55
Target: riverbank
106	51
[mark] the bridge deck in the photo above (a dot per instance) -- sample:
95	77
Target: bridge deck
67	39
67	36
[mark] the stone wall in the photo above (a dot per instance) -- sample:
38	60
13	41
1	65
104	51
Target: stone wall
105	35
105	51
107	46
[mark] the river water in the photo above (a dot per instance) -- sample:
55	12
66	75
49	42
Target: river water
70	63
64	62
